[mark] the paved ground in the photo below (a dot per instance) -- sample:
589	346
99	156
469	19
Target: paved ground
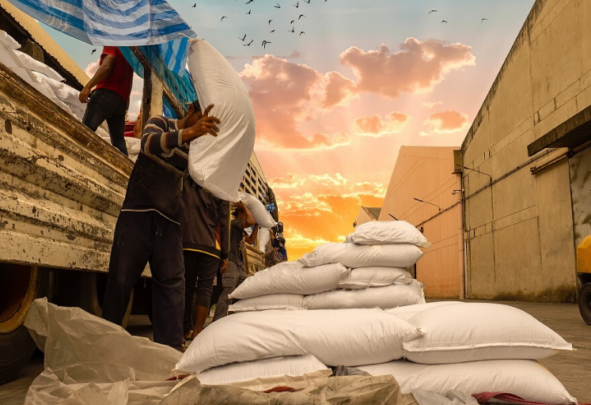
573	368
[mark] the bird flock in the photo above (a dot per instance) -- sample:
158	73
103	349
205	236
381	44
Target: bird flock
445	21
292	27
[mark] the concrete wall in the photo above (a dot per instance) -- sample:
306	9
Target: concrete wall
363	217
519	231
427	173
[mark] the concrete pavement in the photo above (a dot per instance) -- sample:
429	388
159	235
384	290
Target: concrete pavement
573	369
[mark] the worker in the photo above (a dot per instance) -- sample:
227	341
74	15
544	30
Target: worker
272	255
236	272
202	215
110	99
148	228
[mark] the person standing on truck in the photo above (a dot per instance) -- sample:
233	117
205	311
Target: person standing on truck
148	228
202	215
236	272
110	99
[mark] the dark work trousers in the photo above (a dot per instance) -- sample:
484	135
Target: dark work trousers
141	238
231	279
200	270
107	105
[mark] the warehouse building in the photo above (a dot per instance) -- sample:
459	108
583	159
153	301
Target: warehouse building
425	191
527	206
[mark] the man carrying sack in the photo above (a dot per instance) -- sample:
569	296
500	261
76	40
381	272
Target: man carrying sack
148	228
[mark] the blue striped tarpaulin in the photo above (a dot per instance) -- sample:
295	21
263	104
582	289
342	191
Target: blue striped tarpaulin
113	22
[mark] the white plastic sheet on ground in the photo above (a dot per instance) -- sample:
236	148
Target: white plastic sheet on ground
218	163
91	361
525	378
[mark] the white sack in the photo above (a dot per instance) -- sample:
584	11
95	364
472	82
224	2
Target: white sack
386	233
68	95
33	64
355	256
366	277
524	378
264	238
382	297
348	337
9	41
265	374
411	310
260	214
218	163
478	331
292	278
285	302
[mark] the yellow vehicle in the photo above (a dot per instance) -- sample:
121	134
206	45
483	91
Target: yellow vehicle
584	277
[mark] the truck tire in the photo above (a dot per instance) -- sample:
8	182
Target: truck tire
585	303
84	290
19	287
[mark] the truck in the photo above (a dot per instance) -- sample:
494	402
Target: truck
61	189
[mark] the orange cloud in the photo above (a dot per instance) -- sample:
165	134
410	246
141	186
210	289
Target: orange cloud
284	94
416	68
320	208
432	104
447	121
376	126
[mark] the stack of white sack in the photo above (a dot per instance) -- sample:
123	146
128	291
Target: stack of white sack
486	350
49	83
378	254
291	286
253	346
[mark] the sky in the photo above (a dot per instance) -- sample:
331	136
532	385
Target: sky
334	104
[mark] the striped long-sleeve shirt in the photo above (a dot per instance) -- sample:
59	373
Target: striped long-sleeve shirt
156	181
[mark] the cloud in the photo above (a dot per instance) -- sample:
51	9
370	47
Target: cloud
286	94
321	208
432	104
338	90
376	126
447	122
416	68
92	68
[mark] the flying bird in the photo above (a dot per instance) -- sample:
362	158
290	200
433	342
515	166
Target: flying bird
297	5
194	5
93	51
272	31
222	19
302	33
277	6
270	21
251	41
300	17
249	11
249	1
265	44
443	21
292	21
292	29
307	1
432	11
243	38
484	19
